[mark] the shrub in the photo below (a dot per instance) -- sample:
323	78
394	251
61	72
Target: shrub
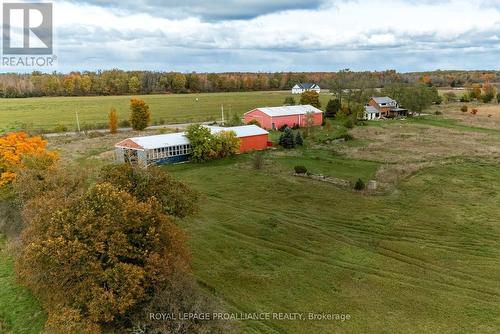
60	128
474	111
359	185
283	127
289	101
437	112
139	114
464	108
298	139
498	97
300	169
348	123
258	160
347	137
487	97
124	124
254	122
465	98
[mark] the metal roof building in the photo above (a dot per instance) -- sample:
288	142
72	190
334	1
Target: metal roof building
175	147
276	117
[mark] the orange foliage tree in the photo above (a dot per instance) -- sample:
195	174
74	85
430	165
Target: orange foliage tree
14	148
113	121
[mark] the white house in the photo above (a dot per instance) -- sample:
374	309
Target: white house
304	87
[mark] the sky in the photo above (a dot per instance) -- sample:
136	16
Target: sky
276	35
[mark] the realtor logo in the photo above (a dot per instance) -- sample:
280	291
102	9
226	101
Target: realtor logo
27	28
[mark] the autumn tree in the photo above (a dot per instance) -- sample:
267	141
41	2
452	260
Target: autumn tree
207	146
15	148
310	97
489	92
134	85
139	114
175	197
178	82
97	256
113	120
475	91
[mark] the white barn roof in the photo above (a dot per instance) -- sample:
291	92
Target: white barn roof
179	138
241	131
158	141
289	110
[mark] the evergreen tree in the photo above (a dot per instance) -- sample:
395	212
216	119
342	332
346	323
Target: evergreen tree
298	139
332	108
287	140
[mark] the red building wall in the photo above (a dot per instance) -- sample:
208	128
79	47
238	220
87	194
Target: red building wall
259	116
252	143
267	121
383	110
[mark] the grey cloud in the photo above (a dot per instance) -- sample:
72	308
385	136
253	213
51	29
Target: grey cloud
206	10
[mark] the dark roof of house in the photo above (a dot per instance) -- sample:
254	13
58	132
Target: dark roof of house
384	100
307	85
371	110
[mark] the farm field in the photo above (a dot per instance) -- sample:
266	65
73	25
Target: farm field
420	255
48	112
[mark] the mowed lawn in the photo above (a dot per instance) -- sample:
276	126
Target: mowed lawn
424	258
20	312
48	112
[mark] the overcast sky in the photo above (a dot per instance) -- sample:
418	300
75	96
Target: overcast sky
277	35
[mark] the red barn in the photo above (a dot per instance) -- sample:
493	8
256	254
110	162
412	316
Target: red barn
275	117
252	137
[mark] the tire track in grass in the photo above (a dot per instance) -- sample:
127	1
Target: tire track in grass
400	278
295	251
420	263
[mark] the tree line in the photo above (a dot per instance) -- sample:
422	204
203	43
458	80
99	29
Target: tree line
118	82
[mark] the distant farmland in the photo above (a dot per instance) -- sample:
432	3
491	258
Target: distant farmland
50	112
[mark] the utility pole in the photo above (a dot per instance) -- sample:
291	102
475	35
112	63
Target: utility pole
77	121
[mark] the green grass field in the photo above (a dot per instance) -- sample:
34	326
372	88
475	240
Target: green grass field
420	259
20	313
48	112
421	256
